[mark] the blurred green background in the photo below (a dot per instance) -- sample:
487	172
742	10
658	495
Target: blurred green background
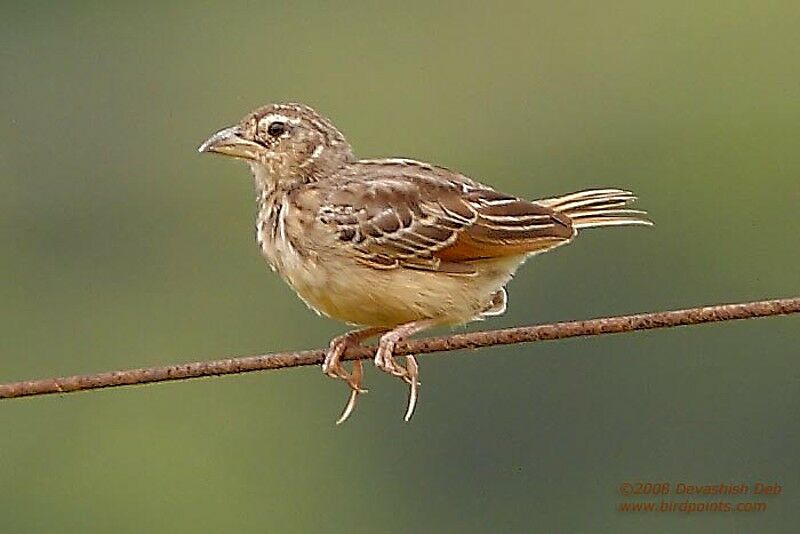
122	247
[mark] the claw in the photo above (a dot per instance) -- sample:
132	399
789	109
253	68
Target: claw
413	370
358	368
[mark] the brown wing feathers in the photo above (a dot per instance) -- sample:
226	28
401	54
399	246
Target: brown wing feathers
506	226
438	225
416	215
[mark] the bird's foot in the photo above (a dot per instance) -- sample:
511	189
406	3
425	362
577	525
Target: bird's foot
385	361
334	368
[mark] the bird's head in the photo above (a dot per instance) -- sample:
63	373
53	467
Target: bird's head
283	143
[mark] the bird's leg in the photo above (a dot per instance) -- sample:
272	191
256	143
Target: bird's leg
384	359
332	366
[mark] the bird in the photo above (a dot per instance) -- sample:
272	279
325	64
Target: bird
392	246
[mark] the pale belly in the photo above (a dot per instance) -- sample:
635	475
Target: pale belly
354	293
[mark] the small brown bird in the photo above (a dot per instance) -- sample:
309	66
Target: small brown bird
394	246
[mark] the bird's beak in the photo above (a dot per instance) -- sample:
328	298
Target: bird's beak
229	142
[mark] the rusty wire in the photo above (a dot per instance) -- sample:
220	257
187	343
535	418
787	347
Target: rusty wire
473	340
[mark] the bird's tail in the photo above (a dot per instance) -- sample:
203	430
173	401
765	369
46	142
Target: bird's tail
598	207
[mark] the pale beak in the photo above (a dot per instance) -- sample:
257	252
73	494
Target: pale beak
229	142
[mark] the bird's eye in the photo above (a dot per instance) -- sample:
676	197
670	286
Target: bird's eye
276	128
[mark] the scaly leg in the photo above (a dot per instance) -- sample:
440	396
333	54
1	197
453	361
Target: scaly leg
332	366
384	359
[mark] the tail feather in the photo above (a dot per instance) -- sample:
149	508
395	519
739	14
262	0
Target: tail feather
598	207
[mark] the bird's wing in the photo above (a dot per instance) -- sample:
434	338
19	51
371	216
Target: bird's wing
433	223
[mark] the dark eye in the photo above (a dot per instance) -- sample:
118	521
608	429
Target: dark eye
276	128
